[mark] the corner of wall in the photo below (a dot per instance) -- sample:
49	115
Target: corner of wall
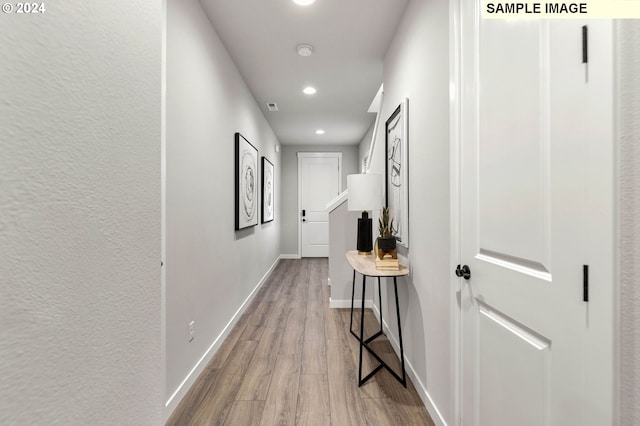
628	336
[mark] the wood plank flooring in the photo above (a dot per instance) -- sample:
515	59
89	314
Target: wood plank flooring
291	360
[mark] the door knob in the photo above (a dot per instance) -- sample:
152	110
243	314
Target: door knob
463	272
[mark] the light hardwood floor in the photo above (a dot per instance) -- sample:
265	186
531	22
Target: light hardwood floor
290	360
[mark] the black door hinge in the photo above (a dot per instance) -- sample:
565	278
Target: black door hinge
585	52
585	45
585	283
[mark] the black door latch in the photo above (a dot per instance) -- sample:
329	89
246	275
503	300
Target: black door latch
463	271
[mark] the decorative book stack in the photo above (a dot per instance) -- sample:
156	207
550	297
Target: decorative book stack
387	263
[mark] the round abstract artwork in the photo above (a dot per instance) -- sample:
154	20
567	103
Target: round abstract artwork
268	193
248	185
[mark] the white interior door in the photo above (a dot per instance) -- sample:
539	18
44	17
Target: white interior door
536	206
319	182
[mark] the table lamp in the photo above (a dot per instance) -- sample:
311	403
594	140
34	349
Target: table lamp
365	193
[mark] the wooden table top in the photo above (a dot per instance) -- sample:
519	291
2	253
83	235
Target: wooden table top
366	265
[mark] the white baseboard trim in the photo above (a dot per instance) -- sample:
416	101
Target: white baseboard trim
290	256
342	304
188	381
435	414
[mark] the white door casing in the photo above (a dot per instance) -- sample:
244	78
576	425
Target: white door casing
319	181
537	202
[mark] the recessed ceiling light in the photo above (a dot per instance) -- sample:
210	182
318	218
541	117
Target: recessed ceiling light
309	90
319	132
303	2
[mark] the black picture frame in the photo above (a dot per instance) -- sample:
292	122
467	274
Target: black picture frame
396	170
246	183
268	191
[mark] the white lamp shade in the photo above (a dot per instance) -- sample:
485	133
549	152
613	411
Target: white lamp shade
365	192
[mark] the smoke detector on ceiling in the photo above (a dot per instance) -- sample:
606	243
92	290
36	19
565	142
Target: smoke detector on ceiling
305	50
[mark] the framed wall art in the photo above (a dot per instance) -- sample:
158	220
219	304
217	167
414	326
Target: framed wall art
268	210
246	183
396	170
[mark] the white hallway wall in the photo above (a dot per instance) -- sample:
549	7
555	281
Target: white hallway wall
80	301
416	66
629	190
211	269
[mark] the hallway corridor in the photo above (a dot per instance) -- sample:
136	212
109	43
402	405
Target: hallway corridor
291	360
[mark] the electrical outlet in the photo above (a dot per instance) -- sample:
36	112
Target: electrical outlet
191	330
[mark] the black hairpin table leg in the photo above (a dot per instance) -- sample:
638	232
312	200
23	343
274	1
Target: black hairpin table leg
353	291
404	376
366	267
364	343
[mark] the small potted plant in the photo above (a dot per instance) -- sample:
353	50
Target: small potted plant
387	239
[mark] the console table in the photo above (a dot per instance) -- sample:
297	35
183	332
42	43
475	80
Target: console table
366	266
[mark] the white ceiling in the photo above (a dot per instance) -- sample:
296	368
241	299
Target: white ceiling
350	38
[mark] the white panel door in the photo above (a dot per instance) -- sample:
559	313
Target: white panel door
319	183
536	206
